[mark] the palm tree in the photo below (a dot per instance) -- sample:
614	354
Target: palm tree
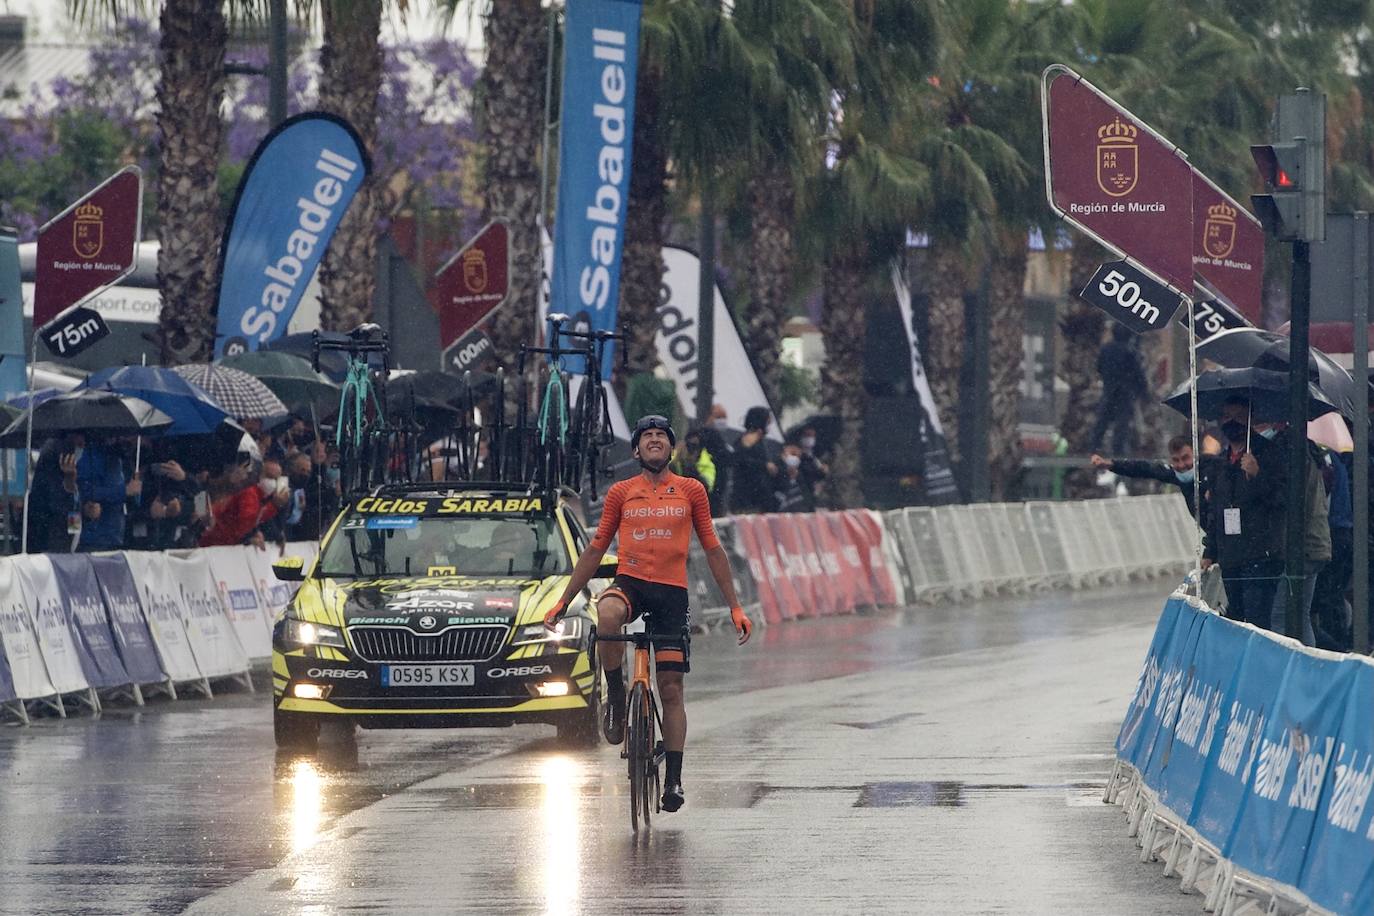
512	105
190	90
870	188
801	49
350	80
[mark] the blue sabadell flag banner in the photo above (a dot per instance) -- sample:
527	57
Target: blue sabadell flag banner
294	192
600	57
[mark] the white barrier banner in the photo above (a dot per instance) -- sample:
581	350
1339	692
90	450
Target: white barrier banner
272	592
218	651
55	638
19	640
161	600
238	592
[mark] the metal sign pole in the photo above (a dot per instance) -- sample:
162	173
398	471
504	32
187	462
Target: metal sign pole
30	464
1296	503
1197	449
1360	317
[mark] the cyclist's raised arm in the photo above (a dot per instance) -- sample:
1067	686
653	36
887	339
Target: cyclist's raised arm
701	515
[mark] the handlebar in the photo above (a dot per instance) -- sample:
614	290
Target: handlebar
645	639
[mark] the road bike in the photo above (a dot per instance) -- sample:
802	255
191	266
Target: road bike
643	722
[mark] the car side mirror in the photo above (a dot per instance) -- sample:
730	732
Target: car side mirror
289	569
607	568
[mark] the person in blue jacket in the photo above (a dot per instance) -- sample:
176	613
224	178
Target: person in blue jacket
101	490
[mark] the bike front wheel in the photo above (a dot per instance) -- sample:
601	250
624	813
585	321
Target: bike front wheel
635	752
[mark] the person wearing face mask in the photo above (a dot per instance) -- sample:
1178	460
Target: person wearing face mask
791	491
1243	530
1180	471
718	440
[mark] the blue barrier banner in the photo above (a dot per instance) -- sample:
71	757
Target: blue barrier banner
1140	725
88	619
1337	873
1265	749
596	130
1202	722
1176	708
132	638
293	193
1296	747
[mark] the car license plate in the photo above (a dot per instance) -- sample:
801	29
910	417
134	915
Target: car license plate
427	676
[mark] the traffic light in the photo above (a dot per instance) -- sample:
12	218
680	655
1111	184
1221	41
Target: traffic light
1294	170
1281	210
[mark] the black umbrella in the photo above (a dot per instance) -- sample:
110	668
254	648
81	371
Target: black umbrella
290	378
333	363
1245	347
86	410
1265	389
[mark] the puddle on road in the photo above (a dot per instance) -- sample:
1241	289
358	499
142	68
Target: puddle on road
911	795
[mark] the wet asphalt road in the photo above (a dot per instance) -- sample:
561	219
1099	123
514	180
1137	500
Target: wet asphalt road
932	760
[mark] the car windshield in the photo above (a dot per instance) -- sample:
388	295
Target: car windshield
478	547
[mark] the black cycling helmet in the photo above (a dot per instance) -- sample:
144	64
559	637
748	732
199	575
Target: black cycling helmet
652	421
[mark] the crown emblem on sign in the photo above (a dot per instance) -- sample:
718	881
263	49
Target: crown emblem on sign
89	211
1117	132
1222	211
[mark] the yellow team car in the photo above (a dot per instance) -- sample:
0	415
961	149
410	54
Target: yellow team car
425	608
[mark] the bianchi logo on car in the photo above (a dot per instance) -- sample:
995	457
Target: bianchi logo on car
524	671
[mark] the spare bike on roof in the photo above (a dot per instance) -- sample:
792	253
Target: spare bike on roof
554	443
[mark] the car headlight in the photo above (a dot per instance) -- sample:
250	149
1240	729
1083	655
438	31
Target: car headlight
568	628
304	633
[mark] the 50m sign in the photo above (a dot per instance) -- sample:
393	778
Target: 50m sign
1132	298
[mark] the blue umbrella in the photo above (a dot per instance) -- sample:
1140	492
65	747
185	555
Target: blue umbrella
193	412
26	399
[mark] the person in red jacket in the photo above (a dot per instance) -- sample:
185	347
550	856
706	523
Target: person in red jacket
242	507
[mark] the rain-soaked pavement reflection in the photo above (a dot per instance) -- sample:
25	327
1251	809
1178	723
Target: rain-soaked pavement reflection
834	765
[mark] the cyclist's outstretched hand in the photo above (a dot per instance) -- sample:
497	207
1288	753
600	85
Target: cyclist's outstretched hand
743	627
555	616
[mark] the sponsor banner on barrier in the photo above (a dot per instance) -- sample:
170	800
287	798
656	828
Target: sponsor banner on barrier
866	531
60	650
19	639
88	619
218	650
272	592
239	596
161	602
1264	748
775	588
132	638
844	590
785	534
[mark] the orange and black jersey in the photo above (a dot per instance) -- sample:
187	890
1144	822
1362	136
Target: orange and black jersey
655	522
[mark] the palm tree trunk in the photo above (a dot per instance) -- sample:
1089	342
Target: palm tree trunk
189	94
1006	343
642	268
1080	326
843	320
945	343
771	201
516	37
350	80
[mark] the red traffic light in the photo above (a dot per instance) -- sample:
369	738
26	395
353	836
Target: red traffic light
1280	165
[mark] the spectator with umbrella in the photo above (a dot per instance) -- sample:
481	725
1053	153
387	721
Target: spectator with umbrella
1244	525
89	420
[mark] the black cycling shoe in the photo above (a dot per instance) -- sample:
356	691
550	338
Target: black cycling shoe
613	722
673	797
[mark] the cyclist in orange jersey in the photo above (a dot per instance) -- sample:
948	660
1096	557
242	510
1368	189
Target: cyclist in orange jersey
653	514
